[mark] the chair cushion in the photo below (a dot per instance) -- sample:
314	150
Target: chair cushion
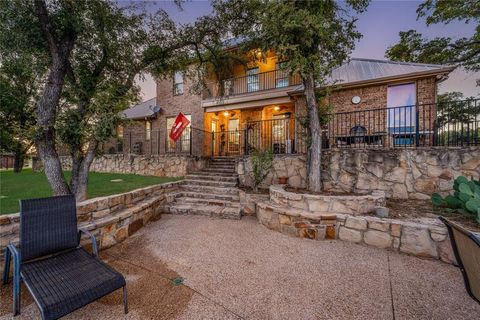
68	281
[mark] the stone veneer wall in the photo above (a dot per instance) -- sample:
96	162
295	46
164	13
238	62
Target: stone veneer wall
424	240
155	165
305	216
401	173
286	165
110	219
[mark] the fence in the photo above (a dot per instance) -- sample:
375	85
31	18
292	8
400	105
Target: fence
452	124
447	124
254	82
193	141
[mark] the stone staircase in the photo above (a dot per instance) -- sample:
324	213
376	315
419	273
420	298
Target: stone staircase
211	191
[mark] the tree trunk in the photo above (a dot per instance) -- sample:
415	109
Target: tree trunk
45	140
77	159
315	149
79	182
46	106
19	158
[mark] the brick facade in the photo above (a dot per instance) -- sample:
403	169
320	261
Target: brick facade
373	97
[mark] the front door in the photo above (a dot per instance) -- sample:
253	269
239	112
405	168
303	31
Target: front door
233	138
213	128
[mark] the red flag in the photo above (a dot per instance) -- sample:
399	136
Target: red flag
181	122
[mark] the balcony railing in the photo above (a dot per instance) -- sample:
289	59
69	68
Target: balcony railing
252	83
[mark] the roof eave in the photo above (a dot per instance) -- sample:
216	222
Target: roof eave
413	75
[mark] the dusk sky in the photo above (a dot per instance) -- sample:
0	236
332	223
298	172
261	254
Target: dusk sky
379	25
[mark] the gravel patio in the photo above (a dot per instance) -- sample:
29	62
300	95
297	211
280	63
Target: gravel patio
240	269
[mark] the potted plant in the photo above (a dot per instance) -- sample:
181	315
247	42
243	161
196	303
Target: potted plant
282	180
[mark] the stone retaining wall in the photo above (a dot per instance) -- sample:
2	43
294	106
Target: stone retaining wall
111	219
155	165
400	173
420	239
286	165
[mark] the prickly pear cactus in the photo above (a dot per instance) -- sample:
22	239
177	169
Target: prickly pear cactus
465	199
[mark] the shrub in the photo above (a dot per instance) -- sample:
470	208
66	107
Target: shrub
465	199
261	164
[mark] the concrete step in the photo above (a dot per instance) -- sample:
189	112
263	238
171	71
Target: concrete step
223	158
221	166
208	189
211	178
213	173
223	161
210	196
216	170
210	183
210	202
206	210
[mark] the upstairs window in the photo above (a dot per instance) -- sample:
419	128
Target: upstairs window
253	80
178	83
120	132
148	130
281	75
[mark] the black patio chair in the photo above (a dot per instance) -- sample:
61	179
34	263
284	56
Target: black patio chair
60	275
466	248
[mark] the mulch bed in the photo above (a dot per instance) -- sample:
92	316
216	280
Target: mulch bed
412	209
323	193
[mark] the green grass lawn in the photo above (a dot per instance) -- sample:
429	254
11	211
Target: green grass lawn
29	184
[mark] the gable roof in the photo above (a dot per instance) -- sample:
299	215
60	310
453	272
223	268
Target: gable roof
364	71
141	111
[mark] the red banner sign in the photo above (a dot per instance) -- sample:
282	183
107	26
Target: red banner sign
181	122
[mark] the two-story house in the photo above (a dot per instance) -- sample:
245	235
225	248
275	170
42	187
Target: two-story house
373	103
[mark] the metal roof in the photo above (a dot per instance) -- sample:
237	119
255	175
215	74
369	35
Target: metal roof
141	110
361	70
365	69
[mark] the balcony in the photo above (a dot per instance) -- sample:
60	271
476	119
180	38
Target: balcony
251	84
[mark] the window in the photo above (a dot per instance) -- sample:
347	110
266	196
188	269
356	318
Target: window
184	140
281	75
148	130
120	132
253	80
178	83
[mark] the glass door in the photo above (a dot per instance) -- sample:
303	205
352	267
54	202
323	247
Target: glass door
401	113
233	136
213	129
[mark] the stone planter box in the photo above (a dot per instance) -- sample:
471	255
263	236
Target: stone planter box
424	239
353	205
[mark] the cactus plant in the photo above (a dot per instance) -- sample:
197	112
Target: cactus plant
465	199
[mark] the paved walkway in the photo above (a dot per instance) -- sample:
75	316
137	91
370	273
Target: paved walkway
241	270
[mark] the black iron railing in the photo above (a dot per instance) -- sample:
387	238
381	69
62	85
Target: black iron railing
424	125
420	125
269	80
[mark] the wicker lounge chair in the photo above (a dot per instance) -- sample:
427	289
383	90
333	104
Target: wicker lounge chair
60	275
466	247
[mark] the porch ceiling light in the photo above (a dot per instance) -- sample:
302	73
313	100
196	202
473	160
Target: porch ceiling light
225	113
276	108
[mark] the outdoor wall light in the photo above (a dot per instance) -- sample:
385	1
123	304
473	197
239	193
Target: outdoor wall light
356	100
276	108
225	113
